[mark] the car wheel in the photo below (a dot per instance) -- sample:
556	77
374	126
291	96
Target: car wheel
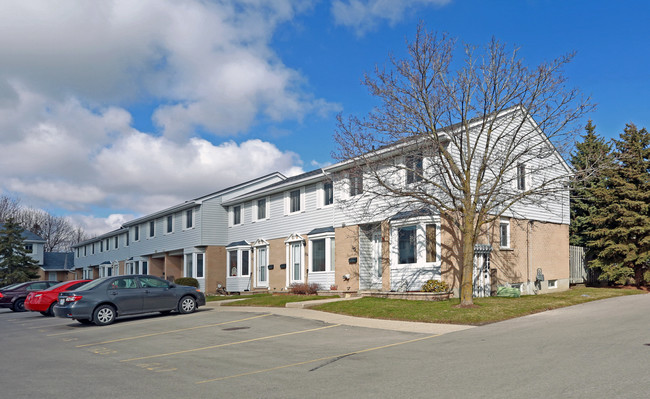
104	315
50	310
84	321
187	304
19	305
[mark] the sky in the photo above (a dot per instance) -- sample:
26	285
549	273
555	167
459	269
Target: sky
113	109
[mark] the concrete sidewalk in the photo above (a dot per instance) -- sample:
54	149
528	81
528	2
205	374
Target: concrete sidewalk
304	312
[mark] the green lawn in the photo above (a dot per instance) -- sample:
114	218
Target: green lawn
488	310
273	300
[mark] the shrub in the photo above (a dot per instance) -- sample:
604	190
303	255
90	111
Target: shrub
304	289
435	286
192	282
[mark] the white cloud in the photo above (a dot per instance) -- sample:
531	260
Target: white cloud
210	63
365	15
71	70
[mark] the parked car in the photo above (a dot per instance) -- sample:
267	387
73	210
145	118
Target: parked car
103	300
44	301
13	296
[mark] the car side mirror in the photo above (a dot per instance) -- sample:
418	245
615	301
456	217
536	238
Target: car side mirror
172	285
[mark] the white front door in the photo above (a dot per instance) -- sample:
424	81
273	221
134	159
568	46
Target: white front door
377	269
296	263
262	267
481	275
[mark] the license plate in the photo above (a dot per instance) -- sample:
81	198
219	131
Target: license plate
62	301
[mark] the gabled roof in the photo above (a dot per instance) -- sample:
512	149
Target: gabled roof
58	261
290	182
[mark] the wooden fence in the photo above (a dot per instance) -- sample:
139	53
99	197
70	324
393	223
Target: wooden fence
579	272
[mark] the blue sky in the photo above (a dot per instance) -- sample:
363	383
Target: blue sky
109	110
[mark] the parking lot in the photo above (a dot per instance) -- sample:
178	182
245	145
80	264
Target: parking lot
596	350
240	353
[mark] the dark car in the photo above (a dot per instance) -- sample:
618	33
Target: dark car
103	300
13	296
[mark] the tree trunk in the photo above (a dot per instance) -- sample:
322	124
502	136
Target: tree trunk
467	283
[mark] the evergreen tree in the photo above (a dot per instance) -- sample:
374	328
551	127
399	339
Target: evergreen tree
592	158
621	231
15	265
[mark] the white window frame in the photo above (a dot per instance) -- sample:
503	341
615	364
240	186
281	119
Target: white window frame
194	257
287	201
255	207
293	240
168	224
136	233
410	171
504	222
329	253
552	284
352	183
191	219
116	242
231	215
320	195
420	238
151	234
238	250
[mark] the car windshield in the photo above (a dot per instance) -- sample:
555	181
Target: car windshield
92	284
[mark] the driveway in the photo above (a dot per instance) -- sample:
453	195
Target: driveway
595	350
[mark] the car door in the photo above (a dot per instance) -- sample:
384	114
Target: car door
158	294
126	294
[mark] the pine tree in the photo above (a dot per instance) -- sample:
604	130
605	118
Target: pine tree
621	235
592	158
15	265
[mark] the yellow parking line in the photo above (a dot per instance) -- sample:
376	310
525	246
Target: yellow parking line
172	331
317	360
229	344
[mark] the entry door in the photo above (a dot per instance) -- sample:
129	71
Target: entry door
296	263
377	269
262	270
481	275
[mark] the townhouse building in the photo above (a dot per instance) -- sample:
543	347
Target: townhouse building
321	227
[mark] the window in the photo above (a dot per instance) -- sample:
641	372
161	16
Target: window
107	246
199	265
150	282
236	215
261	209
432	241
232	264
294	201
504	234
136	233
189	223
521	176
328	193
170	224
85	250
116	242
406	237
239	261
123	284
152	229
126	240
101	246
356	184
552	283
77	252
92	249
145	267
413	168
29	248
318	255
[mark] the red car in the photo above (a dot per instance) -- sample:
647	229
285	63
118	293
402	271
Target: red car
44	301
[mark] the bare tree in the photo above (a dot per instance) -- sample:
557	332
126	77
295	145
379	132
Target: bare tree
9	207
57	231
466	142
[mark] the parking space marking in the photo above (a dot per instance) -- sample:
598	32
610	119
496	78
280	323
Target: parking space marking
47	326
318	360
229	344
172	331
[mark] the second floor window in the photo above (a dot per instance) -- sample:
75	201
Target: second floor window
170	223
136	233
356	184
188	219
294	201
116	242
236	215
152	228
261	209
521	176
413	168
328	192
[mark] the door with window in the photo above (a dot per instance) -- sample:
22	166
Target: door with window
262	267
295	272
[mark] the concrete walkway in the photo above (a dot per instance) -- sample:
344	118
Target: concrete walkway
301	310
